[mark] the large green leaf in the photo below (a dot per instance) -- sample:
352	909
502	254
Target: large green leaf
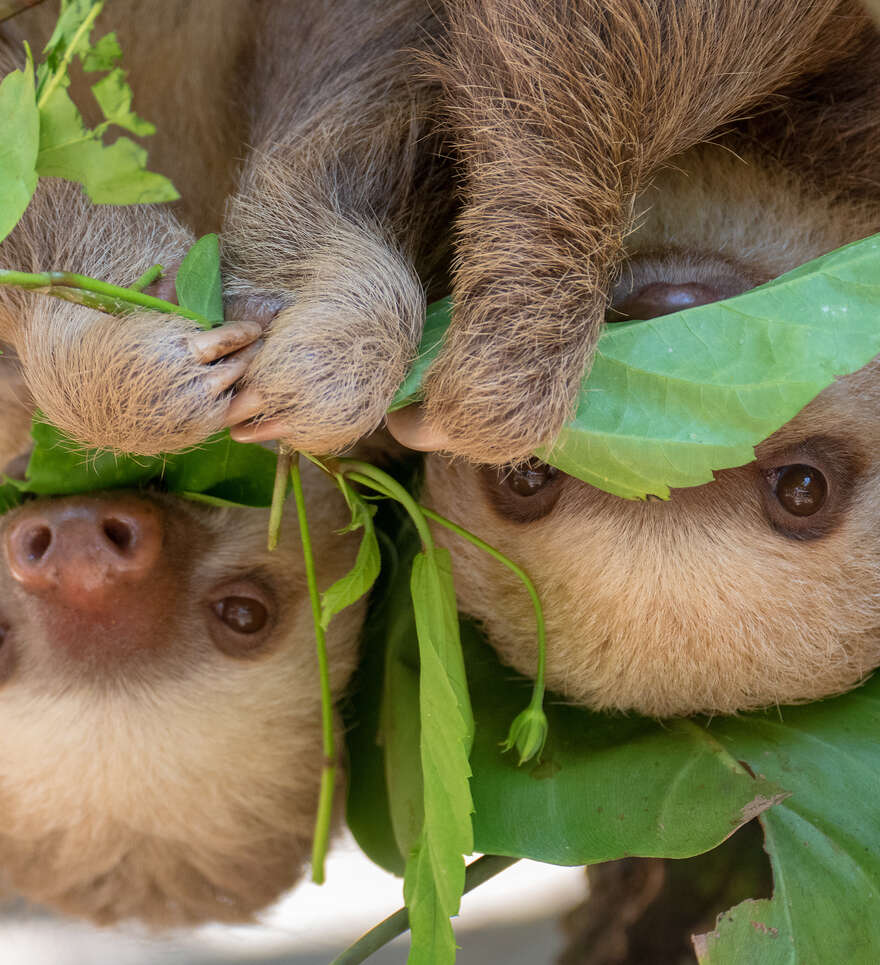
612	786
18	148
220	470
823	840
672	399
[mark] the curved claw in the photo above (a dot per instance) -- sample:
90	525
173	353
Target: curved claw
246	405
263	431
228	338
411	429
226	373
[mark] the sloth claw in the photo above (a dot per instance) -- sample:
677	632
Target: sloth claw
228	338
225	374
246	405
263	431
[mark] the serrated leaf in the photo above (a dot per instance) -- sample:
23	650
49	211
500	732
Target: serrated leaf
434	878
114	98
198	282
674	398
103	55
110	174
70	36
18	149
356	583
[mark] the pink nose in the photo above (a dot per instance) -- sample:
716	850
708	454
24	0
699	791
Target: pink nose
84	549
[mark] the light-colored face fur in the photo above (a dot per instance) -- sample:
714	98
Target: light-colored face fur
717	600
177	781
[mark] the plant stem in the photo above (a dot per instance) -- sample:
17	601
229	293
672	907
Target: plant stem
147	278
369	475
478	872
98	294
282	468
538	689
55	78
328	773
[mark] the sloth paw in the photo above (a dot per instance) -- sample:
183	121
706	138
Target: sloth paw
316	386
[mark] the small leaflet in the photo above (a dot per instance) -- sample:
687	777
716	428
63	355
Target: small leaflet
198	282
19	145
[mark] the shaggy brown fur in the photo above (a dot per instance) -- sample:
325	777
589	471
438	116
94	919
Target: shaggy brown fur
561	113
108	381
714	601
342	208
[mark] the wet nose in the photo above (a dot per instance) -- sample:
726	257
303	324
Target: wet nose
83	549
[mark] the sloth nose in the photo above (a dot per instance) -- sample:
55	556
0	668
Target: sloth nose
84	549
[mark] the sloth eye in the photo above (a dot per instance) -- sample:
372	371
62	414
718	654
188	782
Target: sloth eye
801	490
242	614
806	495
526	492
530	479
664	298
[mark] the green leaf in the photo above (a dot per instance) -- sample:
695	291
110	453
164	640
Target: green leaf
114	98
198	283
436	323
114	174
104	55
672	399
823	840
357	582
18	149
435	872
220	471
10	495
434	875
111	174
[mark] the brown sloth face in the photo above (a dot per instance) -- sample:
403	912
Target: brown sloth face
758	588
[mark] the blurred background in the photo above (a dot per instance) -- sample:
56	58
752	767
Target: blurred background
511	919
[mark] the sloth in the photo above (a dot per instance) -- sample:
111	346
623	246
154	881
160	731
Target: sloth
159	698
394	150
760	587
159	695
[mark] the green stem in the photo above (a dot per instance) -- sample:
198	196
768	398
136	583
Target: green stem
478	872
61	71
101	294
538	689
279	491
328	773
147	278
368	475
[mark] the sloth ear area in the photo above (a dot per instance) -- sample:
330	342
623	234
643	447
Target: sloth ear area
411	429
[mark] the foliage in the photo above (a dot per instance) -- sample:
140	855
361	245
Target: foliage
609	787
44	133
674	398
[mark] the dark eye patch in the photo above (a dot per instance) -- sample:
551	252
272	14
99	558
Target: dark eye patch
807	489
525	493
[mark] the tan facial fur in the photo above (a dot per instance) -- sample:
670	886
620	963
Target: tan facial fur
713	601
149	768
